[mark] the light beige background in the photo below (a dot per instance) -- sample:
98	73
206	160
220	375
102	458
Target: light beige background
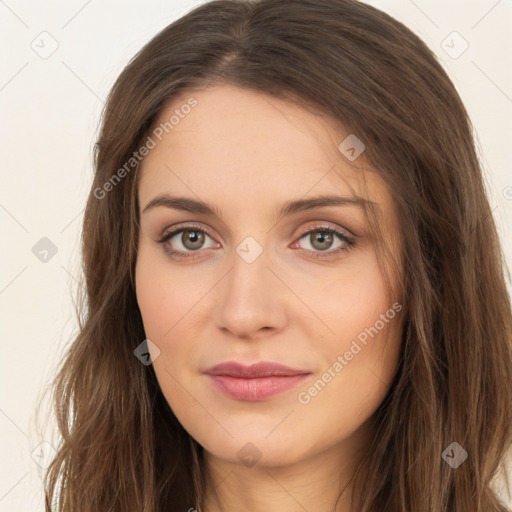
50	106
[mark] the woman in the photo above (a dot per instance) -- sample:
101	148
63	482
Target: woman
294	286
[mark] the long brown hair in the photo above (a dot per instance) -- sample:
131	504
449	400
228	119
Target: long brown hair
122	447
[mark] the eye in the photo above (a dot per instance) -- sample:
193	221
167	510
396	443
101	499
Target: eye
321	240
192	240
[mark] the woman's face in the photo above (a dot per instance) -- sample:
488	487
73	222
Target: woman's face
262	279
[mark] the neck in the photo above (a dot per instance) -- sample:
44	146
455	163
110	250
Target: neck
323	482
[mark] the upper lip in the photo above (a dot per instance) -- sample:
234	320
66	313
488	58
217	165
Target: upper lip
253	371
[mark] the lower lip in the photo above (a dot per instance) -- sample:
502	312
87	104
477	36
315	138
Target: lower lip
256	389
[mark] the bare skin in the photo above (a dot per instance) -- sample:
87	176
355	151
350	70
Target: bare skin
301	302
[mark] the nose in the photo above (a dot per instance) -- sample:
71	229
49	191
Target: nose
251	299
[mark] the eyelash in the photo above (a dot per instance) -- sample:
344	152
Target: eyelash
181	255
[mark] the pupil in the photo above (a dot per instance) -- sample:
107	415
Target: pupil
323	237
194	238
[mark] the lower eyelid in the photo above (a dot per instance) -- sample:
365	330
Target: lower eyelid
168	237
343	237
346	243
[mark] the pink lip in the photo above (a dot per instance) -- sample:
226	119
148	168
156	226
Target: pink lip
255	382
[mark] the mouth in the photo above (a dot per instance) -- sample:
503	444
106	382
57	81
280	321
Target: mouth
256	382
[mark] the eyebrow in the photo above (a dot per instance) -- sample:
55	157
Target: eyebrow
288	208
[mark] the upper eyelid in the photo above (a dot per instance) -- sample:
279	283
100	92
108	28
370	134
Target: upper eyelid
171	232
175	230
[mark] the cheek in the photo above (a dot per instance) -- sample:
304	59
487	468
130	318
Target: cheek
162	306
352	301
163	298
360	364
153	302
361	352
167	302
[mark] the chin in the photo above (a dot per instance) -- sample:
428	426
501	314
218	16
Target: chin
253	446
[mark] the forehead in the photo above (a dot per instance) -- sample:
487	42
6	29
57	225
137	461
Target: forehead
241	144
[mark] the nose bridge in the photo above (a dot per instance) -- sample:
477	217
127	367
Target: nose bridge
250	298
